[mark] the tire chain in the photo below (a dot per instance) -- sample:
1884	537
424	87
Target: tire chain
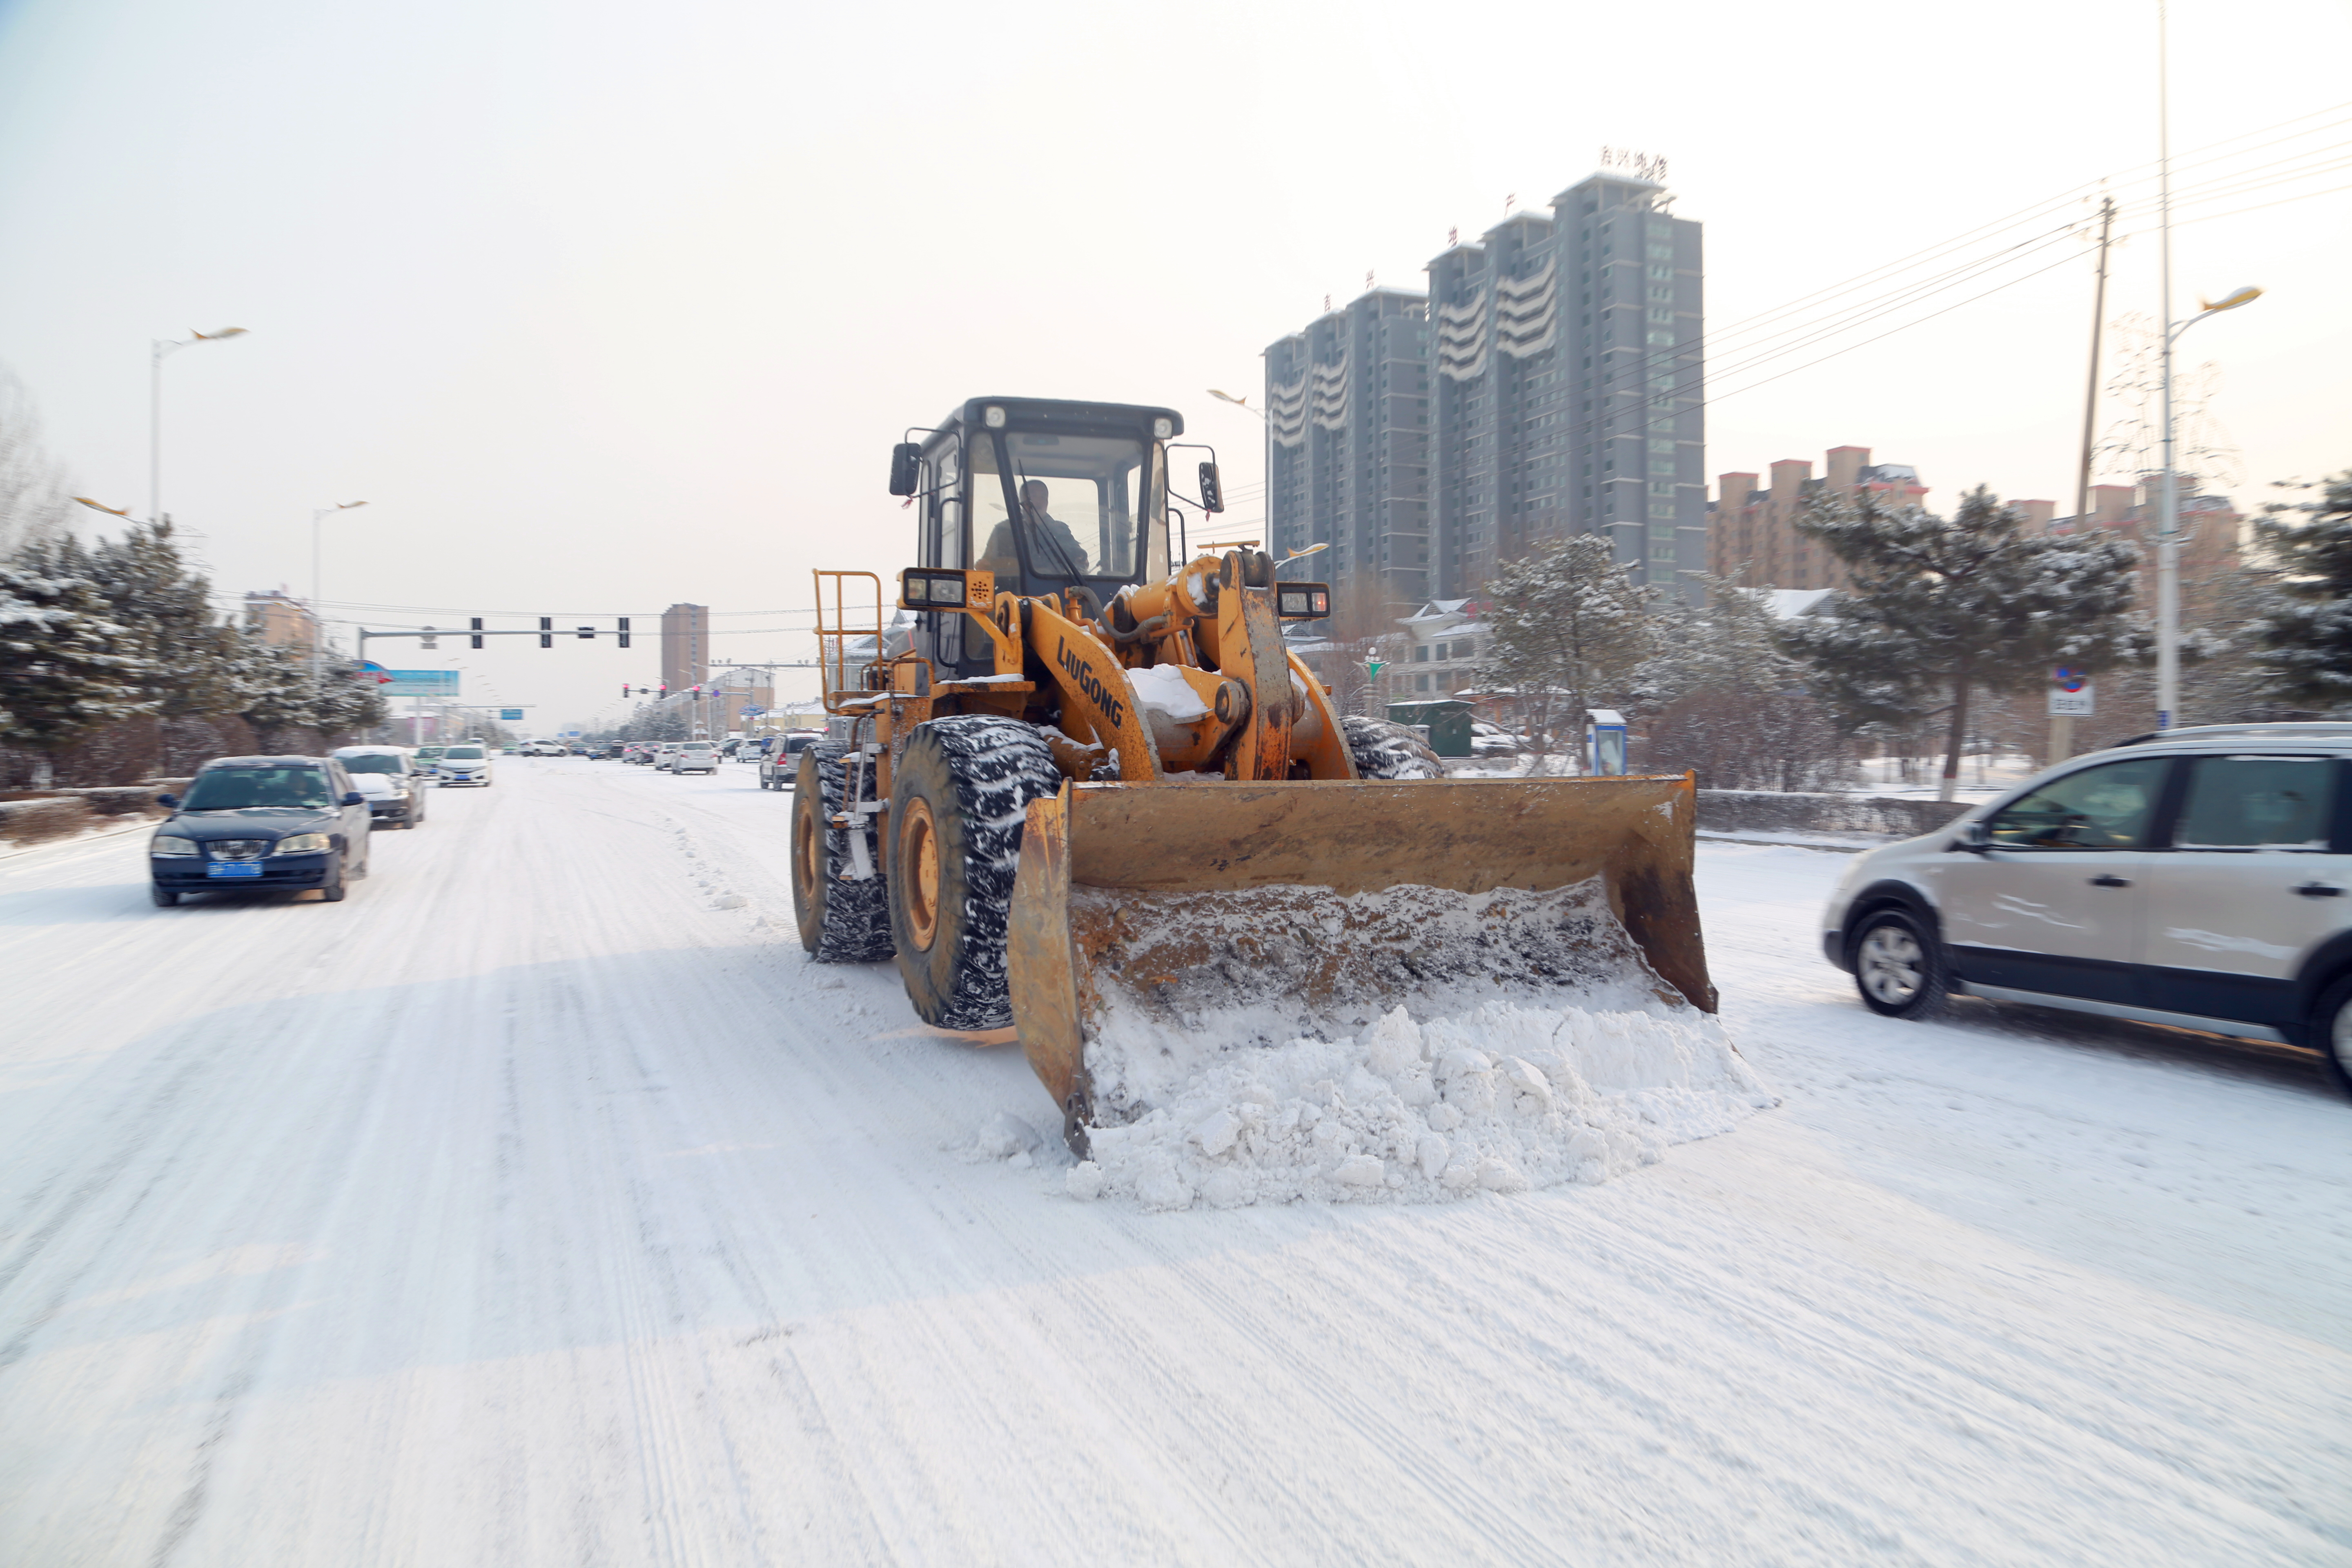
999	765
856	914
1386	751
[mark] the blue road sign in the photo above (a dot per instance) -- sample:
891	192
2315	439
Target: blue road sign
422	683
508	715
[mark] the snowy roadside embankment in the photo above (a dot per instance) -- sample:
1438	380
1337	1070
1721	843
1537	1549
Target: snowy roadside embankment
1501	1098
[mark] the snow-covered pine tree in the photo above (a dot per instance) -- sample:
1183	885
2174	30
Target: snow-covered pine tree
1937	605
166	610
2307	635
1569	628
63	669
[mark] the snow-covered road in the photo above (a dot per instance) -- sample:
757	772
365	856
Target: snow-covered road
540	1204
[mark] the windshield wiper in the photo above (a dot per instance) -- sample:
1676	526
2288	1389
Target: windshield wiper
1078	573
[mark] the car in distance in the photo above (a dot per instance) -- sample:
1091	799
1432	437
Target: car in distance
542	749
694	757
395	790
777	767
2200	879
428	758
663	751
465	763
276	823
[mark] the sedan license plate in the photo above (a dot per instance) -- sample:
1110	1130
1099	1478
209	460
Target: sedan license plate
233	869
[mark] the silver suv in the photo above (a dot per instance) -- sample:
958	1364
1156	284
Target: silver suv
2200	879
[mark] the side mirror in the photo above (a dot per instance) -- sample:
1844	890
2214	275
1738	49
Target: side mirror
1213	493
906	464
169	800
354	797
1974	838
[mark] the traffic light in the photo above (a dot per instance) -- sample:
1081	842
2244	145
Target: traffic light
477	638
624	692
624	631
664	691
546	625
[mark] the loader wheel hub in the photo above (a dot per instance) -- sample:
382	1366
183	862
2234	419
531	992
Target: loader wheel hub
807	855
918	868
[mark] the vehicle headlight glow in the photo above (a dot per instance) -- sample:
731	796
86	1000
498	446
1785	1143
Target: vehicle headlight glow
173	844
304	844
993	416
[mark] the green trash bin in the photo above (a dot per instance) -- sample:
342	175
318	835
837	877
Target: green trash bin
1448	723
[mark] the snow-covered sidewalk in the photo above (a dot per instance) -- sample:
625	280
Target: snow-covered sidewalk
540	1204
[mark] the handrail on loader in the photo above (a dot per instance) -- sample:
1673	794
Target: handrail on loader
833	662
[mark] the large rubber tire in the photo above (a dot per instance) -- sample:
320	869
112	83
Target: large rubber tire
958	796
1386	751
1898	965
2331	1033
841	921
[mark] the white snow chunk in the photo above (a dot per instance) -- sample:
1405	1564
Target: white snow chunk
1521	1097
1084	1182
1217	1133
1163	688
1003	1135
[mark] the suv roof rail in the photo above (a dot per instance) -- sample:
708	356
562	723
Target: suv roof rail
2314	729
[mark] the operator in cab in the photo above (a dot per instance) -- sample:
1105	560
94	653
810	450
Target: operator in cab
1052	548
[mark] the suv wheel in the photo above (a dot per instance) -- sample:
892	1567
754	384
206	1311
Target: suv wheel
2331	1032
1896	966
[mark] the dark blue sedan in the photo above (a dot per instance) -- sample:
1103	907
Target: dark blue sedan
274	824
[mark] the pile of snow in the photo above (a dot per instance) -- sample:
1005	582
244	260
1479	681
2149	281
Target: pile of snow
1500	1098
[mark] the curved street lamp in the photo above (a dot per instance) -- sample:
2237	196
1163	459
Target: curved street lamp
318	608
157	349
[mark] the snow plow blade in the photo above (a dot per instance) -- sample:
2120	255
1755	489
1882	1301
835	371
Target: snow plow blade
1261	911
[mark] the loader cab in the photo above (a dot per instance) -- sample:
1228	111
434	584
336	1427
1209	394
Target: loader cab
1047	495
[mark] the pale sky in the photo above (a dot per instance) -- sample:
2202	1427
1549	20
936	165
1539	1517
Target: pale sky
602	306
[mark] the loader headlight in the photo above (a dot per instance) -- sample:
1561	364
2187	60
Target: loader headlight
1163	429
1302	600
993	416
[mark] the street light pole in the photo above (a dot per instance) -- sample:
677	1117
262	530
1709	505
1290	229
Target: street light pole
317	608
2167	538
157	348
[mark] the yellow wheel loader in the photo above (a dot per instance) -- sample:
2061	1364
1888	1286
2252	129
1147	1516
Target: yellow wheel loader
1076	781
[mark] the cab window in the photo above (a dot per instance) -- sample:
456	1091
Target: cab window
2106	807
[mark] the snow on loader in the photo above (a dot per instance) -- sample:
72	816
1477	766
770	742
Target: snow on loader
1074	787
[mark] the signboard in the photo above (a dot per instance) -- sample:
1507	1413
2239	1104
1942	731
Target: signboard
421	682
752	710
2072	695
2082	704
509	715
371	670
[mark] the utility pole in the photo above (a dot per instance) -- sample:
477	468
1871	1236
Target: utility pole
2062	725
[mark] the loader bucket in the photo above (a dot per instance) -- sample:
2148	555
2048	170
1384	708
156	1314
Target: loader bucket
1255	912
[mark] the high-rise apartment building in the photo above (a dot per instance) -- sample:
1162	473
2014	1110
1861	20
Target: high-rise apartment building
686	645
1347	442
1549	383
